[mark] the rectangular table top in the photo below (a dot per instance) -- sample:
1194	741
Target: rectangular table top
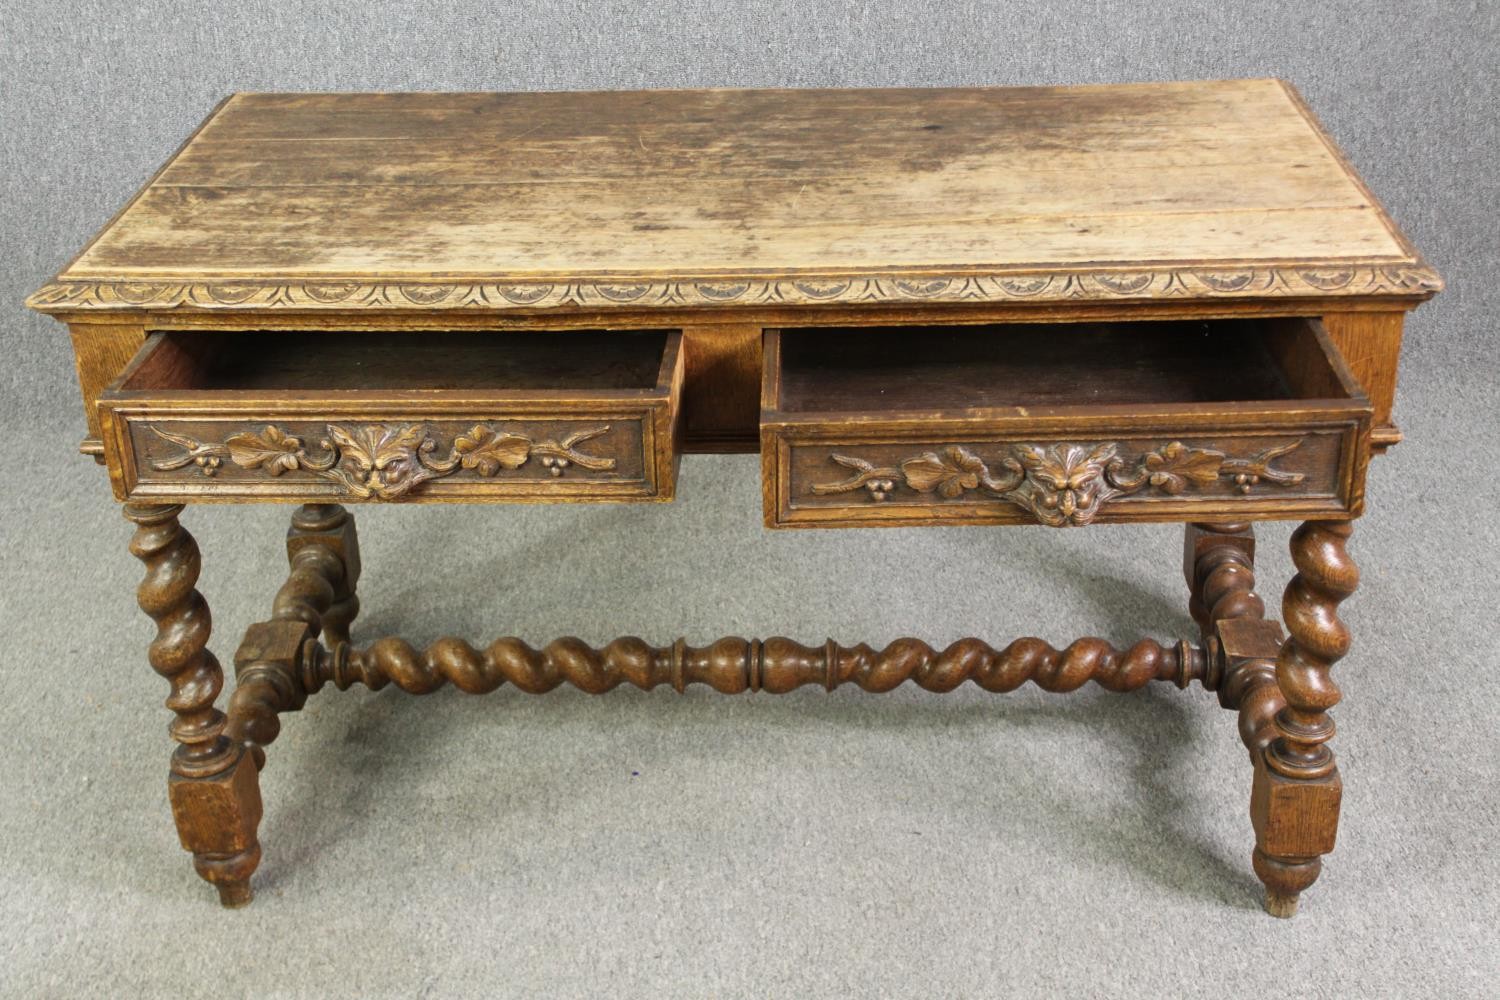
729	197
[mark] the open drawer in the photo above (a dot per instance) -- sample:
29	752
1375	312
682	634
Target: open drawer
1060	424
323	415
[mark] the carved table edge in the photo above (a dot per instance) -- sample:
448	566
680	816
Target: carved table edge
1409	279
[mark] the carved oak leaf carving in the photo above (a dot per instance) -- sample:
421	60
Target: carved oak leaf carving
272	449
957	470
1063	484
384	461
487	451
1174	467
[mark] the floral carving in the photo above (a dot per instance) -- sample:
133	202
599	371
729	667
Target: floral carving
921	288
1025	286
1124	284
524	294
1061	484
1176	466
623	293
956	471
426	295
722	291
1327	278
381	461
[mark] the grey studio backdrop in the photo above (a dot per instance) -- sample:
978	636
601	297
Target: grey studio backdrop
812	845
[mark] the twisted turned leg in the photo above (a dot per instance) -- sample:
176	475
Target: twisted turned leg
1294	804
1219	563
318	598
323	550
213	787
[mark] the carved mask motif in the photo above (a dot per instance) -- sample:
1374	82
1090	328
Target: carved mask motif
380	460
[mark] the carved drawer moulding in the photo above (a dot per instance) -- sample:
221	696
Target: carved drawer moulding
389	459
1062	484
381	461
1066	481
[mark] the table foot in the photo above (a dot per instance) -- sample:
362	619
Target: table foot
233	895
1281	904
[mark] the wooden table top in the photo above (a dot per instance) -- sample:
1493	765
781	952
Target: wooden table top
730	197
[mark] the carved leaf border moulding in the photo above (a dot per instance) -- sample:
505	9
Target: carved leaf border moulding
381	461
62	295
1062	484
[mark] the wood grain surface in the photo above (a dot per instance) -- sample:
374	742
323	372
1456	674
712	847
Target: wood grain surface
735	196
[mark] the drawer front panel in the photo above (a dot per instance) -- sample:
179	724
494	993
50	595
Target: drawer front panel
387	457
1082	477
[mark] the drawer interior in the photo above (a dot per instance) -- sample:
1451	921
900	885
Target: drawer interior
1127	364
499	361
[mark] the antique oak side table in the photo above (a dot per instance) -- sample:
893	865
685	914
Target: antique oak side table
1065	306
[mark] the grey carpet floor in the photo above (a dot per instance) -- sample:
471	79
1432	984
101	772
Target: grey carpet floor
808	845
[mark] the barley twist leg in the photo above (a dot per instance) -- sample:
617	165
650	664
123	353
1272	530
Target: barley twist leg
317	597
1219	563
328	530
1295	802
213	788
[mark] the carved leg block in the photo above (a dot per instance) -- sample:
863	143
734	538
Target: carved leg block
267	682
1248	648
1296	822
217	819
